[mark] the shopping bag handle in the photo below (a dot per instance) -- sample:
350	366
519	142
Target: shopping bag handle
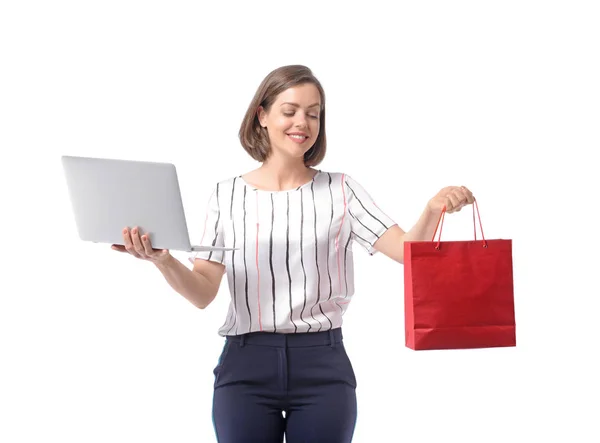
440	223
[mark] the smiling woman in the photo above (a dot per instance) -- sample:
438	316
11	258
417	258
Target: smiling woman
292	124
288	105
290	272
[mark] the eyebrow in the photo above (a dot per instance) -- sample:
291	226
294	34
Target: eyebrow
297	105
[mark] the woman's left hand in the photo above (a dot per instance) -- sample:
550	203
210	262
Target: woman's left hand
453	198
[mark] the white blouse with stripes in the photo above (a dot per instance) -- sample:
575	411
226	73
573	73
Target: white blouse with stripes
293	271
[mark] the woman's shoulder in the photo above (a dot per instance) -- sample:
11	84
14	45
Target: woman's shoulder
331	174
334	176
228	181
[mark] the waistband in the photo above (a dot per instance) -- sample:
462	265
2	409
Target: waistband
291	340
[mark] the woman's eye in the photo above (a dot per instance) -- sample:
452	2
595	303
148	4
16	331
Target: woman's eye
291	114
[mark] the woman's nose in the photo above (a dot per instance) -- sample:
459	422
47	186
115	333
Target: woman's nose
300	122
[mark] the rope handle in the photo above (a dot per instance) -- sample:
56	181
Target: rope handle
440	224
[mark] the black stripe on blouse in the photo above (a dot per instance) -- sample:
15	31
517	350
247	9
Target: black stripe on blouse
246	266
271	262
302	256
216	225
317	263
233	259
287	262
366	210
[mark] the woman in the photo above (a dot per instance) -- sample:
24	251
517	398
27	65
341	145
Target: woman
283	369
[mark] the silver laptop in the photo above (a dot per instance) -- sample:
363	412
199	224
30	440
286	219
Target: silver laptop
108	195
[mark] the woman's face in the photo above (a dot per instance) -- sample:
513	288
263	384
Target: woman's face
293	120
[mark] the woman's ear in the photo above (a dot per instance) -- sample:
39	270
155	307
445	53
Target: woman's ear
261	114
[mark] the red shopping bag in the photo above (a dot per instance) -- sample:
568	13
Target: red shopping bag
458	294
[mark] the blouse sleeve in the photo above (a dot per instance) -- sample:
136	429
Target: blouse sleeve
212	234
367	221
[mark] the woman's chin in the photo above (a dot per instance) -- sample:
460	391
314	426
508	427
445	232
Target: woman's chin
296	151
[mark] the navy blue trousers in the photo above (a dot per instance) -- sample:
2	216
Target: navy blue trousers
307	376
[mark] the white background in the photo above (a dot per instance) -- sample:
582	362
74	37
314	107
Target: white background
502	97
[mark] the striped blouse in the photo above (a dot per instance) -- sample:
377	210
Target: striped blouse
293	271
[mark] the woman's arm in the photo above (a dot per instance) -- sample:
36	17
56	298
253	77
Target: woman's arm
199	286
451	198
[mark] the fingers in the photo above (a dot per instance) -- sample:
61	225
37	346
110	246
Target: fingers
457	198
147	245
452	202
137	243
451	199
468	194
132	242
128	243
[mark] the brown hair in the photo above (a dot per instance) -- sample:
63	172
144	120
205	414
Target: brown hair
254	137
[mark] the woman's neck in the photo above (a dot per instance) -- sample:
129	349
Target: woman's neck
279	175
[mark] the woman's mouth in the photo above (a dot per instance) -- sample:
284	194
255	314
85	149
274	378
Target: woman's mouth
298	138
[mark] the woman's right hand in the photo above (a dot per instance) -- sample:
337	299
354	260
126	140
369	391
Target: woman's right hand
140	247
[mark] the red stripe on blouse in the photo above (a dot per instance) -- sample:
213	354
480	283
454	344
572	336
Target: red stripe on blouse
337	237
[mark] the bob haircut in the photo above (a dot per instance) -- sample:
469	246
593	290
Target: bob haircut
254	137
